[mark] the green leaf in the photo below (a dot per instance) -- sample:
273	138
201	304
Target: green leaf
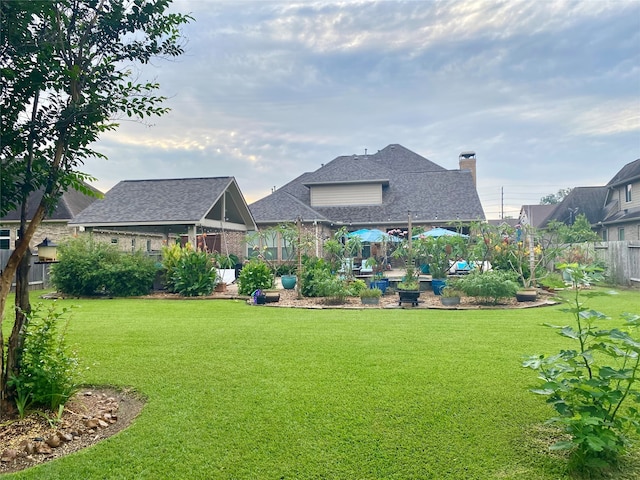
608	372
569	332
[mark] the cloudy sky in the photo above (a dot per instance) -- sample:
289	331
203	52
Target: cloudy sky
547	93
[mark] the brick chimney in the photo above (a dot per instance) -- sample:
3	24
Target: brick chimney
467	161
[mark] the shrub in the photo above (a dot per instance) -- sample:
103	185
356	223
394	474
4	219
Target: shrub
315	272
255	275
87	267
171	255
48	371
194	274
371	293
488	287
593	386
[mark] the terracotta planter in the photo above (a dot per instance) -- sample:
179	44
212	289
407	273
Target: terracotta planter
220	287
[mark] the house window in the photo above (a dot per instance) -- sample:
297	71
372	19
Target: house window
148	245
627	193
5	239
605	236
287	249
621	233
271	242
114	240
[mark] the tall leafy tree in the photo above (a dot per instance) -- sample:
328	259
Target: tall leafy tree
555	198
67	75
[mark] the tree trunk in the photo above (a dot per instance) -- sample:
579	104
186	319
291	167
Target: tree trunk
5	286
23	308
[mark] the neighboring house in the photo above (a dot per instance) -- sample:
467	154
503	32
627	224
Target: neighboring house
145	214
621	217
380	190
535	215
509	222
55	227
612	210
587	201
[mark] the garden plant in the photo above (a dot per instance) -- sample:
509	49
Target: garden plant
594	385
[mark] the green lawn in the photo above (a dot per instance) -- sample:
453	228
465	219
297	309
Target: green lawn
243	392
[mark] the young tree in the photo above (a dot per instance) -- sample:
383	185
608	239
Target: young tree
67	77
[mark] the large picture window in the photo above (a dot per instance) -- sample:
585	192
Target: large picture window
627	193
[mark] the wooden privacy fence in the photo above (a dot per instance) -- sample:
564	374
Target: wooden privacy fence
38	273
622	260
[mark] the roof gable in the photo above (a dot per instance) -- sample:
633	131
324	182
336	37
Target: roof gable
587	201
71	203
629	173
165	202
409	182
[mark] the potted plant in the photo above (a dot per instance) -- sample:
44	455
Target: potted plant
370	296
409	287
437	253
450	296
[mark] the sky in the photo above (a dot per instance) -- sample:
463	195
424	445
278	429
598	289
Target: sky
547	93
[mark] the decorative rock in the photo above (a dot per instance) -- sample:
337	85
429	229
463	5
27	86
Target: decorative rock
91	423
65	437
43	449
8	455
28	447
102	424
53	441
88	393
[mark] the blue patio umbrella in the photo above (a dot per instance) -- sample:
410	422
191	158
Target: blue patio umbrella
372	236
440	232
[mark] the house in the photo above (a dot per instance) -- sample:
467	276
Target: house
621	213
55	226
145	214
385	190
612	210
535	215
587	201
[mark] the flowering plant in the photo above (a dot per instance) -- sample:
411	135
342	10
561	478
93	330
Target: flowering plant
522	249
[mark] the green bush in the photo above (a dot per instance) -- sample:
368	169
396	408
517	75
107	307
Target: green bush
594	386
194	274
48	370
488	287
315	272
171	255
87	268
253	276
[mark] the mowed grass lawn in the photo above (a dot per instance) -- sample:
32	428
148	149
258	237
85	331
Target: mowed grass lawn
244	392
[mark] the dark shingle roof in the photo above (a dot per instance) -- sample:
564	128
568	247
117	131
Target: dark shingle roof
629	173
537	214
70	204
185	200
588	201
410	183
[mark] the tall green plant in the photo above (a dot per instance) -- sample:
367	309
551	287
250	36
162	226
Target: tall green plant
48	374
194	274
593	386
255	275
